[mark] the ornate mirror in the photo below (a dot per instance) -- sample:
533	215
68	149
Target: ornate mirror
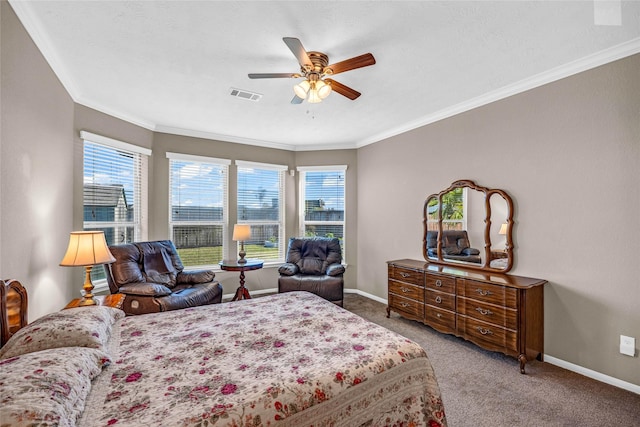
469	225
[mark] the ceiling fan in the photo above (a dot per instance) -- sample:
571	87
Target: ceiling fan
314	69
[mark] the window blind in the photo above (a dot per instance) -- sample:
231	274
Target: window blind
112	192
198	208
113	201
260	202
323	197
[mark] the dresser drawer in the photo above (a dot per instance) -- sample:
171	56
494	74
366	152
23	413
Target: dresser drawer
495	314
440	320
486	334
406	306
487	292
440	299
406	290
440	283
406	275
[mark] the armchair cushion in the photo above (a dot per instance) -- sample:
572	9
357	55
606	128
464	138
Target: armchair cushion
288	269
126	268
158	265
195	276
451	250
145	289
314	266
335	270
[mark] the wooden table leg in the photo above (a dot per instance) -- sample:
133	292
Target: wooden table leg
241	292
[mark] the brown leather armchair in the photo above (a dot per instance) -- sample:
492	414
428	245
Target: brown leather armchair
314	265
152	277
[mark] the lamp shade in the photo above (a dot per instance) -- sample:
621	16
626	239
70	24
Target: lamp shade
323	89
241	232
302	89
503	229
87	248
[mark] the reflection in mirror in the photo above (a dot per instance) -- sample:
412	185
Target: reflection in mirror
462	221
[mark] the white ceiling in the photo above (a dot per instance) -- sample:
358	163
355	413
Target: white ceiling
169	66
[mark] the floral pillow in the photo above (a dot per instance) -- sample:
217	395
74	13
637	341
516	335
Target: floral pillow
49	387
74	327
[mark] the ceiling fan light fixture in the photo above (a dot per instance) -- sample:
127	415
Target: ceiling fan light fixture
302	89
323	89
313	97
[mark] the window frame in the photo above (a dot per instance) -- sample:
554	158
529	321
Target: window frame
224	222
302	222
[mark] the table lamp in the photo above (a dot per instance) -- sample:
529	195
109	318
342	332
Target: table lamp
86	249
503	231
241	232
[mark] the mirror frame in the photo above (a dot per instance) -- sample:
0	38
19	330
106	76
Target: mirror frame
486	264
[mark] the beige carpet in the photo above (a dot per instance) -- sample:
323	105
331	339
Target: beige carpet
482	388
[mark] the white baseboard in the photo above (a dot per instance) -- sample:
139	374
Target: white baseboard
593	374
366	295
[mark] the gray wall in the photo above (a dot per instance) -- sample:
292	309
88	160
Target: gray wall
568	154
36	165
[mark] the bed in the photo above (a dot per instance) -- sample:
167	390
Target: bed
289	359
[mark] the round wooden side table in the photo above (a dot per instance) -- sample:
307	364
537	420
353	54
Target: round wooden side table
234	265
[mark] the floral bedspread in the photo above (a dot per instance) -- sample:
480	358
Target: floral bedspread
287	359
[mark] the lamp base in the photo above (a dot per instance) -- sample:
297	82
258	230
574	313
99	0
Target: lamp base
242	254
85	302
87	299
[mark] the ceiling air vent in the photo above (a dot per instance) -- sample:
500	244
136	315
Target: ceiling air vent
245	94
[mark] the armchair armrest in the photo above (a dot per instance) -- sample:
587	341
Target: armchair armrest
470	251
335	270
145	289
195	277
288	269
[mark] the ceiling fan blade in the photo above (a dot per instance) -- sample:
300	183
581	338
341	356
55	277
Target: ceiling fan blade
298	50
273	75
342	89
296	100
350	64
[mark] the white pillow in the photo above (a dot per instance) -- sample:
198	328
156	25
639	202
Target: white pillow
74	327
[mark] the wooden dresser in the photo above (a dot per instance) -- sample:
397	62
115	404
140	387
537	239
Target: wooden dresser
498	312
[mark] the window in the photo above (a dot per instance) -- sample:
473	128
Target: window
453	211
322	199
198	208
261	204
112	182
113	173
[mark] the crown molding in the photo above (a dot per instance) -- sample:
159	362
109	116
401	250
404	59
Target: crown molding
597	59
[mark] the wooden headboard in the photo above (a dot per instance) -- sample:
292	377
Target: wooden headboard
13	308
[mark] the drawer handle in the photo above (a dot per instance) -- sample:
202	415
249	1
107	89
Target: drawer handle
438	315
483	292
438	299
484	331
404	304
405	275
405	290
439	283
484	312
